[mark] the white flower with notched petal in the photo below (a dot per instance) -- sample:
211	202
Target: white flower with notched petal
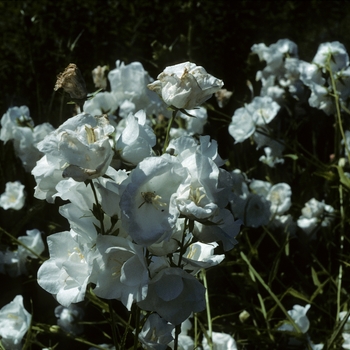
14	323
185	85
13	197
120	270
67	272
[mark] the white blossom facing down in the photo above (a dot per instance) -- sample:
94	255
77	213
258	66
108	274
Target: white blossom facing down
170	288
298	314
156	333
68	318
137	139
185	85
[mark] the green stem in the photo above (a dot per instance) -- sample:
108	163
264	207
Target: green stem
166	142
339	122
137	327
274	297
210	328
100	215
18	242
113	325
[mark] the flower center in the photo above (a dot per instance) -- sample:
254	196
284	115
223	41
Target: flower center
152	198
196	196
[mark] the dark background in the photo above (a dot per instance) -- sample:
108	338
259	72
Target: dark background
38	40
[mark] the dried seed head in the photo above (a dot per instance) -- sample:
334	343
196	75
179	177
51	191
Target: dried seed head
72	82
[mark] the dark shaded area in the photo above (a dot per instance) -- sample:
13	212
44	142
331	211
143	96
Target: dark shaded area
39	39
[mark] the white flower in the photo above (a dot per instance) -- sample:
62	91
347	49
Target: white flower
15	261
185	85
82	143
136	140
261	111
156	333
334	53
253	210
314	215
13	197
129	86
147	204
298	314
200	255
14	323
14	119
120	270
221	341
223	228
67	272
174	294
280	197
102	103
69	317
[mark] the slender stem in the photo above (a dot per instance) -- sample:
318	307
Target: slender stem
338	116
182	243
166	142
210	328
274	297
340	273
137	327
100	218
113	325
18	242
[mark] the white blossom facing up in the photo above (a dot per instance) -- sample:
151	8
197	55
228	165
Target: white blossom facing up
185	85
147	204
13	197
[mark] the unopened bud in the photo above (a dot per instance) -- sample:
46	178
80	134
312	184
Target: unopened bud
99	77
222	97
243	316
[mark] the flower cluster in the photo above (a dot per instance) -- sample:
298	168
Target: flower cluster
141	228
